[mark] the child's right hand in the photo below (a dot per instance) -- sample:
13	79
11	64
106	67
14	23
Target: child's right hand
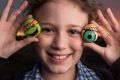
8	29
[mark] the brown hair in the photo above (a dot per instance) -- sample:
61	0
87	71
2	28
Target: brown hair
89	6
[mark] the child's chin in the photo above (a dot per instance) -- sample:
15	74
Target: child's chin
59	70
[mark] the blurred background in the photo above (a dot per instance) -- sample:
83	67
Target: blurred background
25	58
114	5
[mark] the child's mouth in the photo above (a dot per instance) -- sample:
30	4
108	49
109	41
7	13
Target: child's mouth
58	58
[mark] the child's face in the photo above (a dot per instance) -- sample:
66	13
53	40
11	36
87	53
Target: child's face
60	41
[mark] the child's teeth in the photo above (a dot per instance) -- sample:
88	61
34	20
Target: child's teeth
60	57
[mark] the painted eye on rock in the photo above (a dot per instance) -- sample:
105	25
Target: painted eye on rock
89	36
90	33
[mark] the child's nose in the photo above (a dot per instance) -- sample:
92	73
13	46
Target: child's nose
60	42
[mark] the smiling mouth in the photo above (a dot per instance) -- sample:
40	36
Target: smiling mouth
59	58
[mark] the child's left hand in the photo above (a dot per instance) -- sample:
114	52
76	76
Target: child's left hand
111	53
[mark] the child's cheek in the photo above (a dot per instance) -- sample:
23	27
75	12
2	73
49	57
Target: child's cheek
76	44
44	41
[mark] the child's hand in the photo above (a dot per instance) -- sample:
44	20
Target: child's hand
110	31
8	30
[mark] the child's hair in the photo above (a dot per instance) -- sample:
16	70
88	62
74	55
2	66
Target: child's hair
89	6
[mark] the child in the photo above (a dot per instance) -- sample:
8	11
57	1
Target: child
59	44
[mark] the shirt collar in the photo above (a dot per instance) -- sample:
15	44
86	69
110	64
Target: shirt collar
83	73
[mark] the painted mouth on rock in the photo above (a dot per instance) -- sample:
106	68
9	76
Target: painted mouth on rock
31	31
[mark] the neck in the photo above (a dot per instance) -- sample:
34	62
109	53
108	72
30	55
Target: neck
68	75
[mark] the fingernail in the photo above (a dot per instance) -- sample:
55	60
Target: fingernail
25	2
36	39
30	16
108	9
98	10
92	21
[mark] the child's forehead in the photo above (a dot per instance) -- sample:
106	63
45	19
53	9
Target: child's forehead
62	13
59	7
60	3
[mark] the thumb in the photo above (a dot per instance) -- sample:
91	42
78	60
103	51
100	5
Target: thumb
95	47
26	41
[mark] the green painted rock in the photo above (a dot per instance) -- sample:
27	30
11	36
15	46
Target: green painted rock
31	27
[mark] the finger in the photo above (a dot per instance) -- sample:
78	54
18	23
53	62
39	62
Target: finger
19	22
6	10
95	47
104	34
103	20
22	20
113	20
13	17
25	42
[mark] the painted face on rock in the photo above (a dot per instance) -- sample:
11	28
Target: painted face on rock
59	45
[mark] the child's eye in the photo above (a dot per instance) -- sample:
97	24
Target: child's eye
74	32
47	30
